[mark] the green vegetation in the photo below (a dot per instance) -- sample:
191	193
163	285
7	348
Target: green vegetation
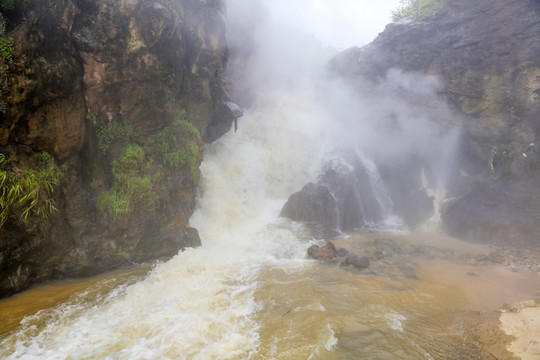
140	174
416	9
174	5
92	118
7	44
113	131
12	4
221	82
7	49
177	146
27	192
132	188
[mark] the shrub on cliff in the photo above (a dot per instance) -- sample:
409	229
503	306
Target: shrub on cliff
177	146
132	188
142	174
416	9
12	4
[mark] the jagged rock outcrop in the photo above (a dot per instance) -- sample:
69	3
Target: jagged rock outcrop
346	197
487	54
114	91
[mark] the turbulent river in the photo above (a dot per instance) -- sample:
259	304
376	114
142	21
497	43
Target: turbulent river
250	292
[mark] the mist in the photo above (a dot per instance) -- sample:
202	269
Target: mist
397	119
290	42
353	211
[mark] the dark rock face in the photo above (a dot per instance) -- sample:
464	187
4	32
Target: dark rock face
89	80
227	113
349	195
314	203
329	253
495	213
487	54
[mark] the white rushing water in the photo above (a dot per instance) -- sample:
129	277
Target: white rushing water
200	304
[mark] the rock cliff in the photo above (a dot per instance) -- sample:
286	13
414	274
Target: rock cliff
116	96
487	54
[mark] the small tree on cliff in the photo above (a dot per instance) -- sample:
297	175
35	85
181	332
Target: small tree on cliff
416	9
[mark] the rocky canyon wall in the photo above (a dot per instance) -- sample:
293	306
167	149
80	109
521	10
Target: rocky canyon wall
486	55
105	105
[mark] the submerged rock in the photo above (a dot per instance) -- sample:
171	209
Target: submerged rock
329	253
359	262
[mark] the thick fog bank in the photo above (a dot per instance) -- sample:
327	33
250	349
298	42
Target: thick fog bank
398	120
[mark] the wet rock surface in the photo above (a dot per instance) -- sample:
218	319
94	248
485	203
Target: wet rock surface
392	258
329	253
90	80
490	84
346	197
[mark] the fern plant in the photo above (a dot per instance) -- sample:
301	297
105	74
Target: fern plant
28	192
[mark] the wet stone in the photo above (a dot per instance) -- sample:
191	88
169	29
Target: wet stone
327	252
359	262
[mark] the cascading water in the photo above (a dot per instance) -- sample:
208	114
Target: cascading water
361	197
250	292
200	304
382	195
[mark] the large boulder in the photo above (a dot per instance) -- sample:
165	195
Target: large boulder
314	203
501	213
349	195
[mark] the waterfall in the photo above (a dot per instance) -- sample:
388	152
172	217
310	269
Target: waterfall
381	193
200	304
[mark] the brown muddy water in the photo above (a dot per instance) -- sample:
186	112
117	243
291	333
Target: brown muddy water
423	297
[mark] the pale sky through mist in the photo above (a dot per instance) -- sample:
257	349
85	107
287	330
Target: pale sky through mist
336	23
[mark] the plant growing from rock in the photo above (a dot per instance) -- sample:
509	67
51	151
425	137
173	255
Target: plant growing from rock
26	192
177	145
142	174
113	131
7	49
132	186
416	9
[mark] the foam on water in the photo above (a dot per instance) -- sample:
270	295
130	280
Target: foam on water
200	304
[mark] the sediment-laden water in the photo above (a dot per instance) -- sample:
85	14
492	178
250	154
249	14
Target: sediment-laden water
251	293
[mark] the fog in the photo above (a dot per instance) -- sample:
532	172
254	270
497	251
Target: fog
290	41
398	119
340	24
